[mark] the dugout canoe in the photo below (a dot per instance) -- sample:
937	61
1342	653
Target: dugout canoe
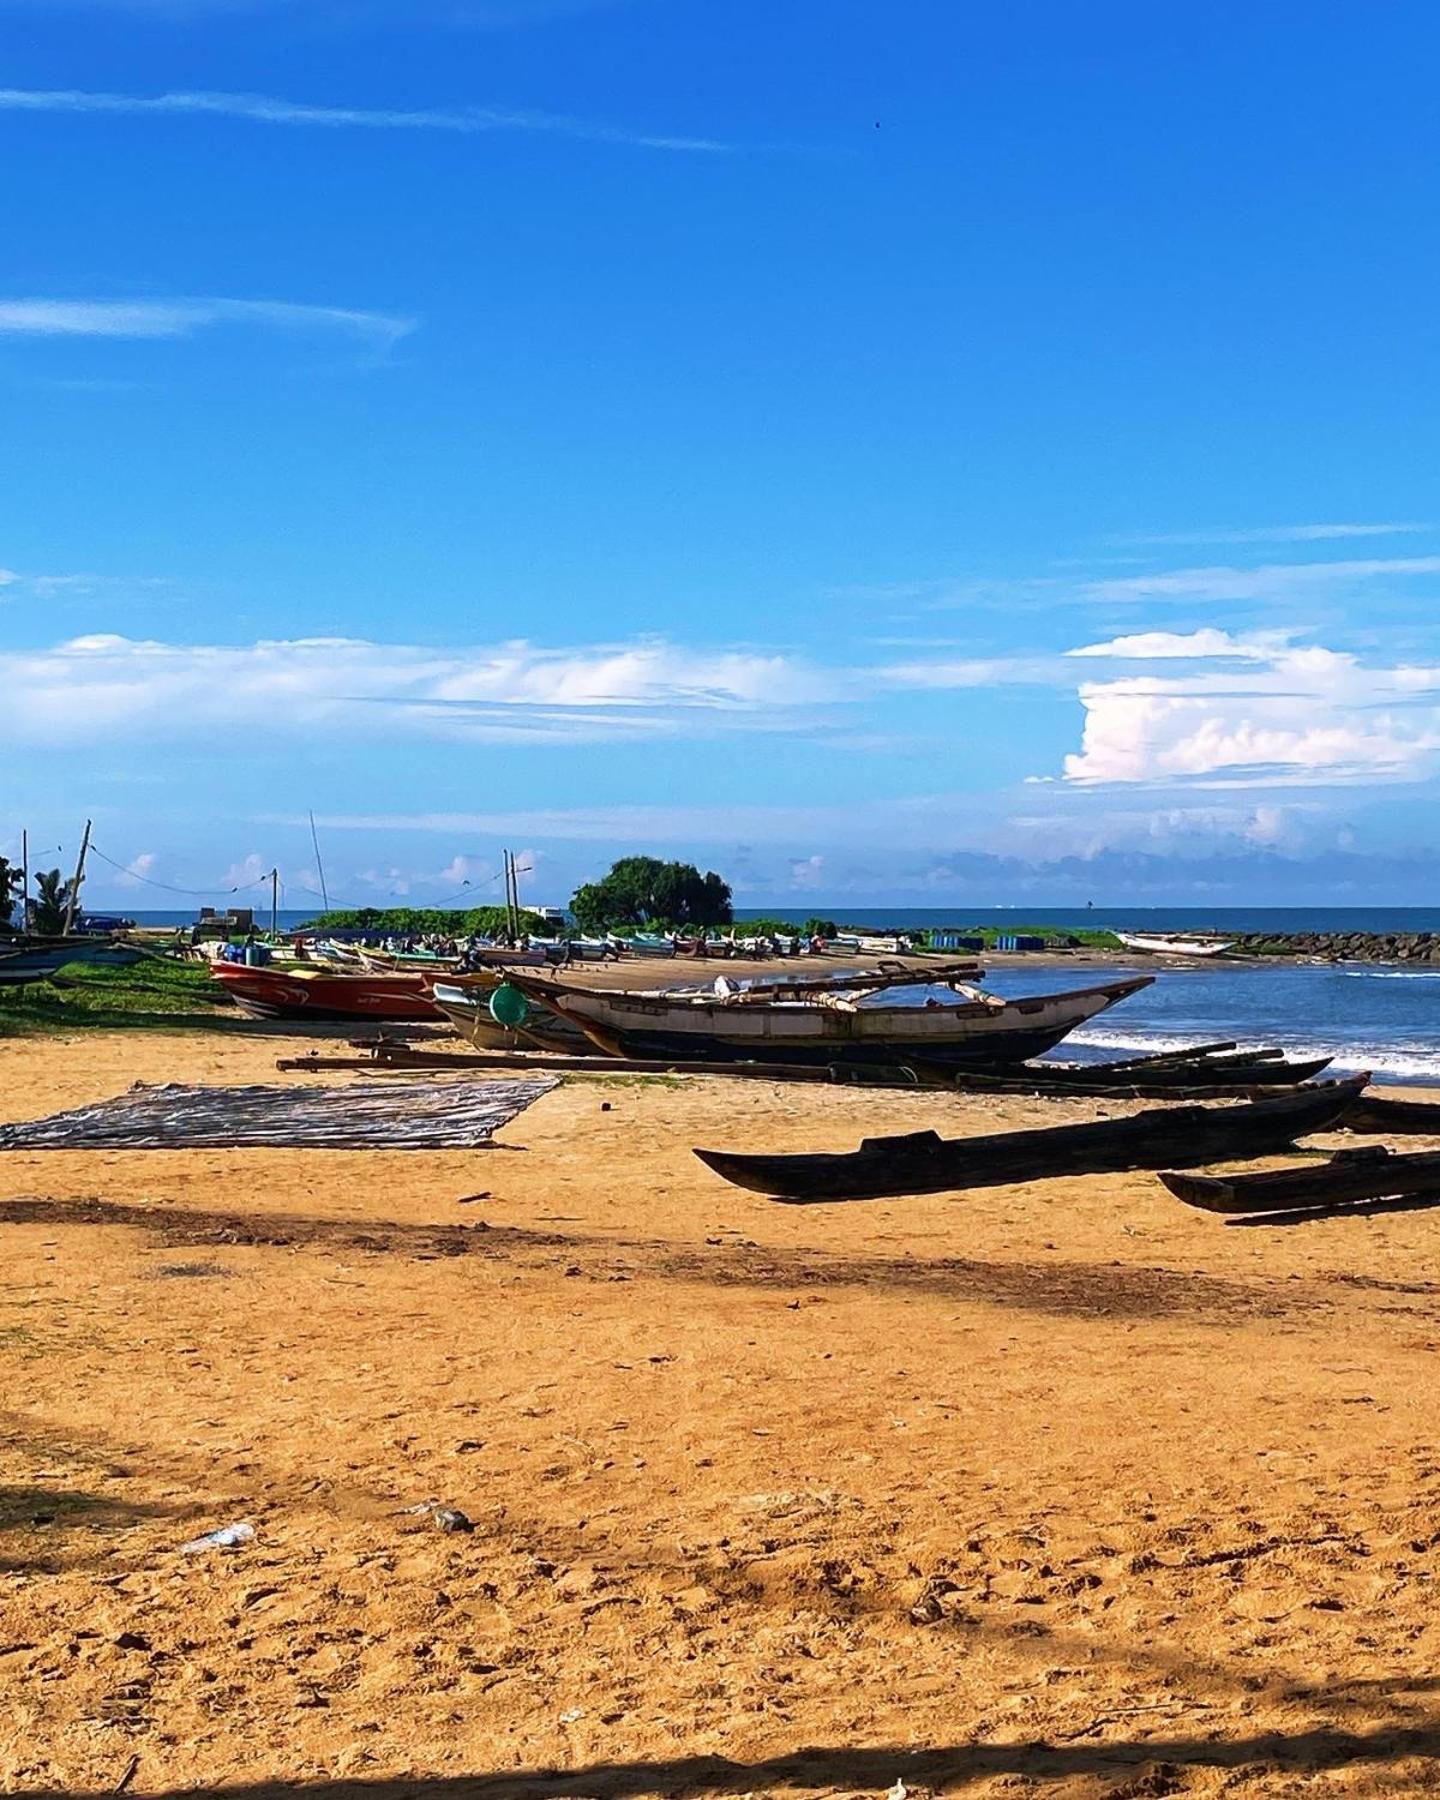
1372	1173
922	1162
1264	1069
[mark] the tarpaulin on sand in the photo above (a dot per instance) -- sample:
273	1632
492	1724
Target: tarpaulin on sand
361	1115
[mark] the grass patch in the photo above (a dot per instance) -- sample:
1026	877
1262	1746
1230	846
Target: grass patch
153	994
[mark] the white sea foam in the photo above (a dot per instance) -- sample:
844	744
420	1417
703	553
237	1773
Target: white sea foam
1397	1062
1391	974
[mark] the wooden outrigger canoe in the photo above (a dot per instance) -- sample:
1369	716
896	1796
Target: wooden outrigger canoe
1265	1068
1350	1176
824	1023
922	1162
467	1008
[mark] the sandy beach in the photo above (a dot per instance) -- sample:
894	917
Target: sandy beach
1057	1487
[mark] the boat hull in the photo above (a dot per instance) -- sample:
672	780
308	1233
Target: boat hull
265	993
972	1035
470	1014
924	1163
1163	946
38	962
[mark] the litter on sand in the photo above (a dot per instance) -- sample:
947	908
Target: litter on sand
228	1537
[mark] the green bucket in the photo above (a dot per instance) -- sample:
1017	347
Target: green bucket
508	1006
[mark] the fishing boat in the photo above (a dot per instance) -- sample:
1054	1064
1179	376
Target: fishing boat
1160	945
1353	1177
827	1021
23	960
922	1162
468	1010
322	995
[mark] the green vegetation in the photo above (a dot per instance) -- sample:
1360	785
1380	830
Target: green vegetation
1079	936
9	891
643	892
51	902
150	995
412	921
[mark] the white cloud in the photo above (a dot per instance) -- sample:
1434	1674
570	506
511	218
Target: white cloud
106	687
1269	581
1207	643
138	870
264	109
973	672
1304	714
180	318
249	872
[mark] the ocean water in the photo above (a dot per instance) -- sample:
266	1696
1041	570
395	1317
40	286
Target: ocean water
1386	1020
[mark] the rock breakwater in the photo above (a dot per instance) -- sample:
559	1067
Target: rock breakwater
1345	946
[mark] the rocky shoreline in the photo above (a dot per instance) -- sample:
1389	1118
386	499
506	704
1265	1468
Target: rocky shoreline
1344	946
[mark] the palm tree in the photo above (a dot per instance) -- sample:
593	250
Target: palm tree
10	879
51	903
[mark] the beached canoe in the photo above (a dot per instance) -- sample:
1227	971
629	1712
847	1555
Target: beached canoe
922	1162
468	1010
23	960
828	1024
1350	1177
1261	1069
1158	945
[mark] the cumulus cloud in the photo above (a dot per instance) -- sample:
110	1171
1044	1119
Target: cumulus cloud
1302	714
108	687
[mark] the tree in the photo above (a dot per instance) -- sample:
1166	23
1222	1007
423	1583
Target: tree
642	890
51	902
9	889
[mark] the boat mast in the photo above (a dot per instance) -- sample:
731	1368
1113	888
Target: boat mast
320	867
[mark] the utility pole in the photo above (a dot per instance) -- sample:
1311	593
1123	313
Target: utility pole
73	903
24	881
274	904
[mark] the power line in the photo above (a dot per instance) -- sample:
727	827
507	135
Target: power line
169	887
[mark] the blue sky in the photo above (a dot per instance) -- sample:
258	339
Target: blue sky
934	453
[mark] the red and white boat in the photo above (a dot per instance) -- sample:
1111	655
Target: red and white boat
266	992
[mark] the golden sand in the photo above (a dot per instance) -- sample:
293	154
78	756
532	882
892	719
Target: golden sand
1057	1488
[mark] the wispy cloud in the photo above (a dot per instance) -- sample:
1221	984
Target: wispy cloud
180	318
1269	581
1276	534
108	688
1207	643
264	109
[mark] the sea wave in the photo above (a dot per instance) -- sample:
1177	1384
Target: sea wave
1391	974
1392	1061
